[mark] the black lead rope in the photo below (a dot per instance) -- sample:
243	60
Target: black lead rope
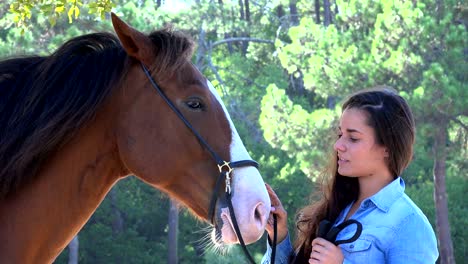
225	169
241	241
275	239
329	232
236	228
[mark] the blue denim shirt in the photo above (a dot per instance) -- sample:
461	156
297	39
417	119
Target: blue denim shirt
395	230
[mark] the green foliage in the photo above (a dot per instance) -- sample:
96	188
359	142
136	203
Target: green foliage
141	241
414	46
232	256
457	187
24	10
297	132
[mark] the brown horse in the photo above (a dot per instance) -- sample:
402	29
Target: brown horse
74	123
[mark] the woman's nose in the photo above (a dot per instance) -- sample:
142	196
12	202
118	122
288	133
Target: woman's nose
339	146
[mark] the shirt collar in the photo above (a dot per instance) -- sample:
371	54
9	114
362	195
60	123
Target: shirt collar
389	194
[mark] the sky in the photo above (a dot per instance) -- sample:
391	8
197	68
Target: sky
175	5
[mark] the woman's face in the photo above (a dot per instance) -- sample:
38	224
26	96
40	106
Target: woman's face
358	153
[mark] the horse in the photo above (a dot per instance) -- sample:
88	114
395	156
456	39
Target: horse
75	122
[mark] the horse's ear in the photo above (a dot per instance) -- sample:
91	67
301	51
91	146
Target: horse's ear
135	43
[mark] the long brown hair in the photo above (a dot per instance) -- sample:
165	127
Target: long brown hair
391	118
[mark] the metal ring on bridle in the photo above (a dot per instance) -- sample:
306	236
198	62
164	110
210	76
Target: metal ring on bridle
227	175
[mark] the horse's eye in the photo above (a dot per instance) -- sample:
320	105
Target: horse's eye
195	104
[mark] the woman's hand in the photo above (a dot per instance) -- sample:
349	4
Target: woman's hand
325	252
281	216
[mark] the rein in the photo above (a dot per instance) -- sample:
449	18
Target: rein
329	232
225	168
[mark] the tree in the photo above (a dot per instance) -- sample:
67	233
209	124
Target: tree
73	248
440	193
444	81
173	232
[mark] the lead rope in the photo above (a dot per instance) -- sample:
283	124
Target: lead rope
241	241
275	237
221	165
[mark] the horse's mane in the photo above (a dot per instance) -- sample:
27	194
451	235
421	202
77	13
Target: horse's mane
45	100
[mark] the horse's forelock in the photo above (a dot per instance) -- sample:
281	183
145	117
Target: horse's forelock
173	49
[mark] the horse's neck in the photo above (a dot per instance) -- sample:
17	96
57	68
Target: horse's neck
37	223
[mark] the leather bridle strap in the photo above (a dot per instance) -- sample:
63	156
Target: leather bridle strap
179	114
224	175
225	169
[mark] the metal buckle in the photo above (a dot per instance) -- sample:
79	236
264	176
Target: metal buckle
228	174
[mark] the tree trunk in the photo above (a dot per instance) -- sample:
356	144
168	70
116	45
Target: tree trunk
173	232
201	51
317	11
440	193
293	11
227	35
326	13
117	219
241	10
280	13
245	15
73	251
296	84
247	11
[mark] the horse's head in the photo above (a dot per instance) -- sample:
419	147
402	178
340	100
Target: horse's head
155	145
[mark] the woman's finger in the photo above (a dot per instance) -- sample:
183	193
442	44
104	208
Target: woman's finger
282	216
315	257
277	207
324	251
320	242
273	197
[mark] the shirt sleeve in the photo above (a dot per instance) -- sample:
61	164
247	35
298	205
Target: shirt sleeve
283	252
414	242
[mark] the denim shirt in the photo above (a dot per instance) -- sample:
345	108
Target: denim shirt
395	230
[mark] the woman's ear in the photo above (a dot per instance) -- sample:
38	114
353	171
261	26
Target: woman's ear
386	153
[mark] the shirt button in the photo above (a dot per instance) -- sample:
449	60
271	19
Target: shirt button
351	246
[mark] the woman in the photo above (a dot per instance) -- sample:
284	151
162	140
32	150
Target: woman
375	144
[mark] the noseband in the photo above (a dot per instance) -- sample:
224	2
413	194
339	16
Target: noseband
225	168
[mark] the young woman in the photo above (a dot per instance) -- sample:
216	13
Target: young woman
374	145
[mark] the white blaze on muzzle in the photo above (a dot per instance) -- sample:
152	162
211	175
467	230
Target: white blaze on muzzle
249	195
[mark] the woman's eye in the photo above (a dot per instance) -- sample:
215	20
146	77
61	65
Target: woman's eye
353	139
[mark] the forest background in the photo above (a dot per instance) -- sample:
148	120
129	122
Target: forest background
282	67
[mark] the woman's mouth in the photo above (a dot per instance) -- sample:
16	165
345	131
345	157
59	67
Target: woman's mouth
341	161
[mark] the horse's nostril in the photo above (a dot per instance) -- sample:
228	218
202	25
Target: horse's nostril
259	213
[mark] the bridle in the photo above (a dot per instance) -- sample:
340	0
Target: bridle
225	168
